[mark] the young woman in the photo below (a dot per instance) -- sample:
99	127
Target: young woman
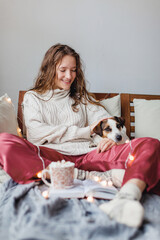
60	115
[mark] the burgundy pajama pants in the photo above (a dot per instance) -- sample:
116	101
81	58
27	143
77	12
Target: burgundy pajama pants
20	159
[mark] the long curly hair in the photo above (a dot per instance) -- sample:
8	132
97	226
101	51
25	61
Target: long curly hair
47	74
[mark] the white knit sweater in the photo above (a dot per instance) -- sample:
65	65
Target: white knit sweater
51	122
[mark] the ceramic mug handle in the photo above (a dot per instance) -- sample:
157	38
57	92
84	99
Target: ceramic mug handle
44	179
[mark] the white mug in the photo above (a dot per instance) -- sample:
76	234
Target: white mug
61	174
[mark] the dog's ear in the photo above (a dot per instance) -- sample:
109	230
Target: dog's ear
98	129
120	120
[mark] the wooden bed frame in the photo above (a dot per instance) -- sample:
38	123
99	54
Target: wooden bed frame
127	109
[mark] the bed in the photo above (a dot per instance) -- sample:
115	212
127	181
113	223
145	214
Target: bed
26	214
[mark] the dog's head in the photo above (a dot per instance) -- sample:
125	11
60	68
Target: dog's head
112	128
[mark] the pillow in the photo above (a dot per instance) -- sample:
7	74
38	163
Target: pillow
8	120
112	105
147	115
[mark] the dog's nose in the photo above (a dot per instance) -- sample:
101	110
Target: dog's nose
119	137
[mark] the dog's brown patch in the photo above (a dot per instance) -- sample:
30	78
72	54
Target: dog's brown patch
103	128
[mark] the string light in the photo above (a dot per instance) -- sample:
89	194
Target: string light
8	99
110	183
90	199
130	157
45	194
39	174
19	132
96	179
103	183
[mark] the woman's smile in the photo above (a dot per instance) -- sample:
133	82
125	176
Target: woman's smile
65	73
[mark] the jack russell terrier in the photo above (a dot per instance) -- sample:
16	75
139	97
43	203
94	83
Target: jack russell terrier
112	128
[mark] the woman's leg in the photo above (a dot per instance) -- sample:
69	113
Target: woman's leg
145	167
142	172
22	160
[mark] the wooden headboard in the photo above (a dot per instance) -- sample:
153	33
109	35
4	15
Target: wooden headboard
127	109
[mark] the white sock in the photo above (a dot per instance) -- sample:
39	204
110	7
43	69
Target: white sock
115	175
126	208
80	174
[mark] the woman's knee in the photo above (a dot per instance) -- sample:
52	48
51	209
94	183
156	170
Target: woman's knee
4	137
153	143
148	142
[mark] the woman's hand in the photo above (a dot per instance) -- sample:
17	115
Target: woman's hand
105	144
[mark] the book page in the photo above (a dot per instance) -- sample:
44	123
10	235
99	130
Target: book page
80	189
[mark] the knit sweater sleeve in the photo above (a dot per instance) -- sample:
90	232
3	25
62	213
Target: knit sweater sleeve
95	113
40	132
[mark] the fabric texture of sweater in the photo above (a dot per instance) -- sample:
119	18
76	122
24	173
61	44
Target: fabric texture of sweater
51	122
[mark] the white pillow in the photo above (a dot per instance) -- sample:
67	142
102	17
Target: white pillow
112	105
147	115
8	120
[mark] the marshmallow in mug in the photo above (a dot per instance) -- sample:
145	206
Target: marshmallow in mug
61	174
62	163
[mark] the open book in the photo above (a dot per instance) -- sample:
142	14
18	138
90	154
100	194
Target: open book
85	188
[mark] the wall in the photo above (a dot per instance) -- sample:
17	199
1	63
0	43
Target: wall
118	40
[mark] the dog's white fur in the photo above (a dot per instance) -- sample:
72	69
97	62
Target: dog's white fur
118	135
115	133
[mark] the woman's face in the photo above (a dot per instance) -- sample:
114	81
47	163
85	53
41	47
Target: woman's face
65	73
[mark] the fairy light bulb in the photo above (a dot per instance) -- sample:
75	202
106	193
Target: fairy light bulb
90	199
103	183
131	157
8	99
97	179
110	183
45	194
39	174
18	130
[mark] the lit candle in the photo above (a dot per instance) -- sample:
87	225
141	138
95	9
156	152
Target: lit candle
45	194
